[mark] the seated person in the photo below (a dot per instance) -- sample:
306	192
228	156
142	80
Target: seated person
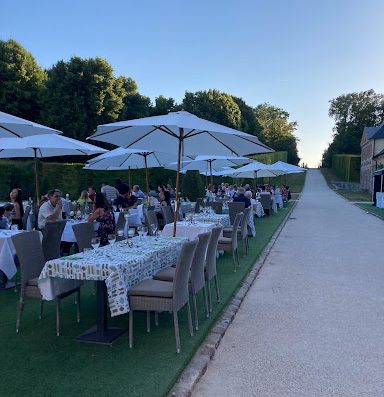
18	210
152	192
3	220
92	193
127	200
137	192
241	198
83	199
104	215
50	211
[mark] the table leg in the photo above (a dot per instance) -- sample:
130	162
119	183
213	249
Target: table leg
100	333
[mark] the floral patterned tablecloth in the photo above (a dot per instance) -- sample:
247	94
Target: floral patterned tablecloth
213	218
119	265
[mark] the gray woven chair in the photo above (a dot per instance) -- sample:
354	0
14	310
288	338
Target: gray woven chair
199	204
25	216
266	202
217	206
158	296
51	239
242	232
84	233
31	258
197	277
167	214
234	208
210	265
229	244
120	222
151	219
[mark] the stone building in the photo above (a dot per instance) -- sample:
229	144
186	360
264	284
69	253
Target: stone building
372	154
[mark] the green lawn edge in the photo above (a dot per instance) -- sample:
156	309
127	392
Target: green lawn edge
379	212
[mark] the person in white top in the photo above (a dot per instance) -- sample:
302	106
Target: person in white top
51	210
110	192
251	217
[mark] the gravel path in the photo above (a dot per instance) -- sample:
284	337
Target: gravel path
313	322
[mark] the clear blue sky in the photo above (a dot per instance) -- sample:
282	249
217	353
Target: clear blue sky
295	54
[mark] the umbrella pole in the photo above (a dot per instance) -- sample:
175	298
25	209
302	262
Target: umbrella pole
177	182
129	177
210	170
37	189
146	173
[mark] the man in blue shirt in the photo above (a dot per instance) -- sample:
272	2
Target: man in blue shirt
240	197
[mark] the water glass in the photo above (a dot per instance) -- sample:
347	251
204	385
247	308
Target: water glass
144	231
14	227
153	229
140	231
112	239
131	232
95	242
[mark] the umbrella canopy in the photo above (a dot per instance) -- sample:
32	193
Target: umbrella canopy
181	133
16	127
126	159
257	170
286	167
41	146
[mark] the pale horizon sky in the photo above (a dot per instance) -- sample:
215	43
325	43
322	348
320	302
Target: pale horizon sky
294	54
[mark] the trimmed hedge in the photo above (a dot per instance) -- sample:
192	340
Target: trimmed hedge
347	167
270	158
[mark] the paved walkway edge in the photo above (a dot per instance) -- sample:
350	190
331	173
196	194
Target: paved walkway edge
200	361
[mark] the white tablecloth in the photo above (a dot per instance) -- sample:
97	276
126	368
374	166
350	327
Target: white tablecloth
68	234
379	200
223	219
188	230
7	253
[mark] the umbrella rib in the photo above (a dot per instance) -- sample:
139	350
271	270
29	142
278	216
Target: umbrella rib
222	143
142	137
157	159
10	131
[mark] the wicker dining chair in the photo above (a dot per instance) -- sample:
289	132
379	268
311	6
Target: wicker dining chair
26	216
229	244
167	214
158	296
52	238
210	265
242	231
234	208
197	277
120	224
151	219
217	206
84	233
266	202
31	258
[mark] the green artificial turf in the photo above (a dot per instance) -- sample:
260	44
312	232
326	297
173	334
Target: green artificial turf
372	209
37	363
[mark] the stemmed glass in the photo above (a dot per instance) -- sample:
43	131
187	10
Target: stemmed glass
153	229
95	242
112	239
131	232
144	231
140	231
120	234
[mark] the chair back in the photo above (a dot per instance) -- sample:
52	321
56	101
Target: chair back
199	204
30	254
151	219
217	206
210	266
266	201
198	264
120	221
234	208
51	239
84	233
236	224
244	223
25	216
182	273
167	214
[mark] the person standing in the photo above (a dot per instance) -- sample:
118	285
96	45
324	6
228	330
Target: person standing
110	192
18	210
50	211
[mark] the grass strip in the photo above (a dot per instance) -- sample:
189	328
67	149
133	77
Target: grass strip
379	212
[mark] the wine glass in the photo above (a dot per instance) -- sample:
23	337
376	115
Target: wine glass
9	222
120	233
153	229
140	230
112	239
14	227
131	232
95	242
144	231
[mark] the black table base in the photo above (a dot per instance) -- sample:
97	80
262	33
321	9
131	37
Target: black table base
100	333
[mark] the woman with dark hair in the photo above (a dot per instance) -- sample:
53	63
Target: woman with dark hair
103	214
18	210
164	195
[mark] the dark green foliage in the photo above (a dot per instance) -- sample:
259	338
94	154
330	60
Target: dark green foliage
215	106
352	112
21	81
135	107
270	158
192	185
277	130
248	122
163	105
347	167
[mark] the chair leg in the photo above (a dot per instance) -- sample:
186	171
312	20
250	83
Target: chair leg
157	319
217	289
78	306
206	301
238	258
177	333
130	328
189	316
195	312
41	309
57	317
209	296
20	310
234	260
148	321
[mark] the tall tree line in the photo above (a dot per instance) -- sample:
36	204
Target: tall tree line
75	96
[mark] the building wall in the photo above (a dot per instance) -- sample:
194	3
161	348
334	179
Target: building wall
367	164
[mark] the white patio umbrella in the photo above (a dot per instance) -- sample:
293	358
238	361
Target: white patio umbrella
127	159
286	167
41	146
207	164
16	127
182	133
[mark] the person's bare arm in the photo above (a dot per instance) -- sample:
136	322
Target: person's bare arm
53	217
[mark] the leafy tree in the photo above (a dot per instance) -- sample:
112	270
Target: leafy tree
163	105
352	112
21	81
248	121
82	93
192	185
277	130
135	107
215	106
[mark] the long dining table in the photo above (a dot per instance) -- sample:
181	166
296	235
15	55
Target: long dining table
115	268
